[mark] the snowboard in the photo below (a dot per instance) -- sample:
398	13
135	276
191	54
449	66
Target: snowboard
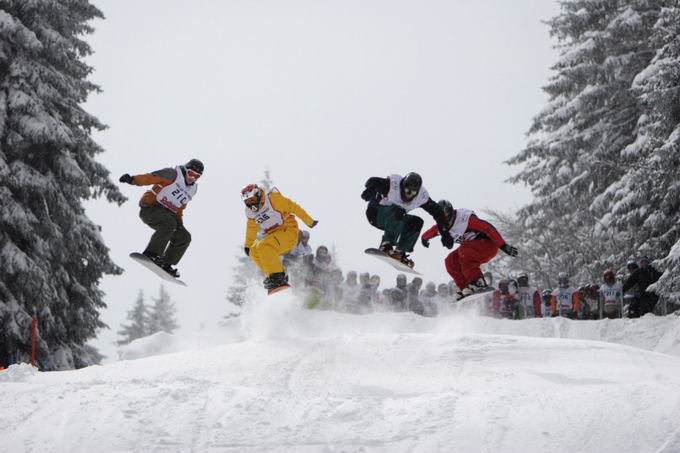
147	263
382	256
476	296
277	290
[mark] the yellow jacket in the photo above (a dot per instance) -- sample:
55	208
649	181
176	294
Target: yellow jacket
287	208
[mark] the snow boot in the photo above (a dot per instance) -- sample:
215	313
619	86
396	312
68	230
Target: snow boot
276	282
475	287
157	260
385	246
401	257
170	270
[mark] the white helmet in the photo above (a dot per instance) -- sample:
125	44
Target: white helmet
251	192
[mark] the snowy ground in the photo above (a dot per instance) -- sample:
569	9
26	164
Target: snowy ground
287	380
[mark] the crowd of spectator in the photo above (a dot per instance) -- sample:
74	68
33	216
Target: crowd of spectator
323	285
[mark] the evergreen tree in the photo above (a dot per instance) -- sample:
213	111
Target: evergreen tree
162	314
574	153
52	256
646	199
139	323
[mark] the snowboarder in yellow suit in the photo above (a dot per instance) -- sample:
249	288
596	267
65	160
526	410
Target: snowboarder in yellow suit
274	216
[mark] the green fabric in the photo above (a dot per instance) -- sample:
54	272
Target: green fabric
396	231
170	239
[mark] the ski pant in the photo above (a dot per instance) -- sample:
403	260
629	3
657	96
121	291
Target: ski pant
266	252
642	305
171	239
463	263
402	232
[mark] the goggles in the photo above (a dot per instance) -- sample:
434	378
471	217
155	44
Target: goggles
193	174
252	201
409	192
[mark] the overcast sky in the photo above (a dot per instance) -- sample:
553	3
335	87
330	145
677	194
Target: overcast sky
323	93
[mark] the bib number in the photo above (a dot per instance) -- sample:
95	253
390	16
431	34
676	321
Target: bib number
180	196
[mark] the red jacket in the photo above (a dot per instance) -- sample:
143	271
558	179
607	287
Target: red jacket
483	229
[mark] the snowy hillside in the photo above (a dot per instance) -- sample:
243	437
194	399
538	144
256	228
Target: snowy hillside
288	380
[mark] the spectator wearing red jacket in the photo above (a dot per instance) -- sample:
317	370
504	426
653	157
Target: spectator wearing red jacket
479	242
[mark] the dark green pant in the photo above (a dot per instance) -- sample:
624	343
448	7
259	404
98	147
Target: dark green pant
402	233
171	239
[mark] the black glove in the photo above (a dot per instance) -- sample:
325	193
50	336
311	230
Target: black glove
509	249
399	213
247	250
126	178
314	223
368	194
425	242
447	240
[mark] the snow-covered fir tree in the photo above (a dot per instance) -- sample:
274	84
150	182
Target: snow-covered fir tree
162	314
579	148
52	256
646	198
139	322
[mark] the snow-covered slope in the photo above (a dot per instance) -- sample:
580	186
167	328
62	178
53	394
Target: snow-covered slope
300	381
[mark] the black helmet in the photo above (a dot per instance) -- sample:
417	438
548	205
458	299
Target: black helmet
523	279
195	165
410	186
447	208
546	295
563	280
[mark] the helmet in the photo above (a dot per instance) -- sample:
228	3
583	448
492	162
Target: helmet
504	285
523	279
632	265
410	186
448	210
252	196
431	288
195	165
512	286
401	281
563	279
364	278
609	277
546	295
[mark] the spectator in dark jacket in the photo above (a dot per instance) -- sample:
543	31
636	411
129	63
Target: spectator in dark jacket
643	276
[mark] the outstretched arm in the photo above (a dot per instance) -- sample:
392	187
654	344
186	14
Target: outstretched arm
434	210
431	233
162	177
477	224
283	204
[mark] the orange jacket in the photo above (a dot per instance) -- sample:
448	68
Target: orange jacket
575	304
159	179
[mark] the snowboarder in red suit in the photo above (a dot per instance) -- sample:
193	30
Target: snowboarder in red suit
479	242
